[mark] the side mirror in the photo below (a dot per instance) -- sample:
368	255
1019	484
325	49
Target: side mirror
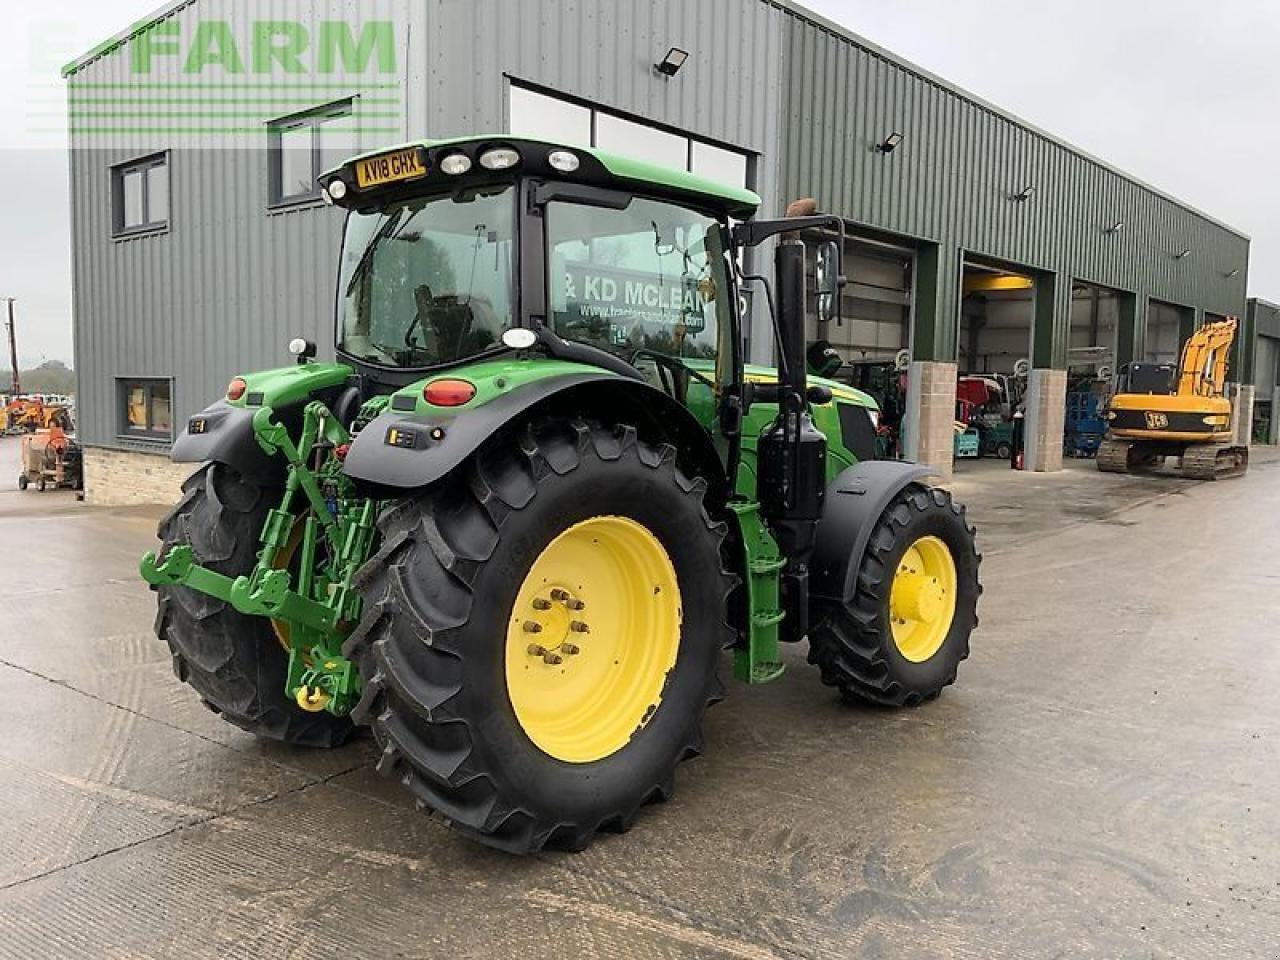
829	281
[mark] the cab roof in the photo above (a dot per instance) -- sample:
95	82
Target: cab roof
623	172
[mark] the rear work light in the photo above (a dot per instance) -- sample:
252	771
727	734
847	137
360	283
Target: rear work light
499	158
236	388
448	393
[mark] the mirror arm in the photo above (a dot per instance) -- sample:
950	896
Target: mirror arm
754	232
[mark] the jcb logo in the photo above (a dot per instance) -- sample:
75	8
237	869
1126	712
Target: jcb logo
1156	421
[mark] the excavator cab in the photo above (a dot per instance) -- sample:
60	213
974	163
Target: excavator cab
1161	411
1147	378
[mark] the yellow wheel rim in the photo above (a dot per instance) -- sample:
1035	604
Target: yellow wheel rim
922	601
592	635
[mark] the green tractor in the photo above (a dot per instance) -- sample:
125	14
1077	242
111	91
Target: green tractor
512	528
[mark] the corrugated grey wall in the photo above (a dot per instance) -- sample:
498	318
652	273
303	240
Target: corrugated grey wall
952	180
231	282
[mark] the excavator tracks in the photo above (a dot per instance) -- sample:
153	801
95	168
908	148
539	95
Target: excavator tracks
1199	461
1214	461
1113	456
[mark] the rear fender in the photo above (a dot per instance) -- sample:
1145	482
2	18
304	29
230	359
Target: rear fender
224	434
407	451
854	501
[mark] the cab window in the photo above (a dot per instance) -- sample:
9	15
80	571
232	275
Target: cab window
650	279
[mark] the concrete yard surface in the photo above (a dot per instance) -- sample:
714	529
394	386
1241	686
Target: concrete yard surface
1104	780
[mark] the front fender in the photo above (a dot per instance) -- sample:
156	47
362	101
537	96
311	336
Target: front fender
854	501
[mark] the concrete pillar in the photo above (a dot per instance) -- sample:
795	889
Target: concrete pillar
1046	414
1241	395
931	414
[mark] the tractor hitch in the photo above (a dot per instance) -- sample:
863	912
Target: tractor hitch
325	539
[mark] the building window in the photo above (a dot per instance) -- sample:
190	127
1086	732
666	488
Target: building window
642	141
146	409
304	146
536	114
140	195
546	117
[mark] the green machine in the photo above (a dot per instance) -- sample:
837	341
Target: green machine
513	526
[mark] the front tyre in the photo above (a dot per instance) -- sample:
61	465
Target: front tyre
541	635
901	638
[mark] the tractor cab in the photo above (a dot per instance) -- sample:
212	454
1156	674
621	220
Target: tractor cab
451	244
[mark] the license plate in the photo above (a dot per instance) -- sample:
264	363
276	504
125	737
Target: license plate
390	168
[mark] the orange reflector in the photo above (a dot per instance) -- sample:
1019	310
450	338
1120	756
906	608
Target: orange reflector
236	388
448	393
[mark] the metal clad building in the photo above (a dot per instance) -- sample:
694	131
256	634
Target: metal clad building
954	179
233	272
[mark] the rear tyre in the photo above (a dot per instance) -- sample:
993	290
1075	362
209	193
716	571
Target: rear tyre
902	637
23	481
522	730
234	662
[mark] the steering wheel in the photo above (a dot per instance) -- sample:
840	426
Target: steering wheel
422	298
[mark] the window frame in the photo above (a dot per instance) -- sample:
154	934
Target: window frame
144	165
313	120
149	386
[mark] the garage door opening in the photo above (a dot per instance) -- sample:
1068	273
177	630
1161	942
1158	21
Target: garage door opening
1265	369
1091	366
1168	325
997	310
872	343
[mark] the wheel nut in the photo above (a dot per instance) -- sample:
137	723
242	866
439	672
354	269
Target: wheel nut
552	658
531	626
569	649
577	626
575	604
537	650
559	595
541	603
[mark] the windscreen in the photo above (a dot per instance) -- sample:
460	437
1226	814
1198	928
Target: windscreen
429	281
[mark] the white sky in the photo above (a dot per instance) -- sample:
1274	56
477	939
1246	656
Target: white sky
1181	93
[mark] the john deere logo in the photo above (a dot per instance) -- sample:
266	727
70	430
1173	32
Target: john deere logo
1156	421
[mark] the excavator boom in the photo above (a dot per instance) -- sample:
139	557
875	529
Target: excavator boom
1202	371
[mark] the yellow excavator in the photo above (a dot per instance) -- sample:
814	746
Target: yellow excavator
1161	411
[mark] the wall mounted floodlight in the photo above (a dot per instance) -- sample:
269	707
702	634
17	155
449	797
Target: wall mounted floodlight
1115	227
1233	274
1023	195
1183	255
670	65
890	143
